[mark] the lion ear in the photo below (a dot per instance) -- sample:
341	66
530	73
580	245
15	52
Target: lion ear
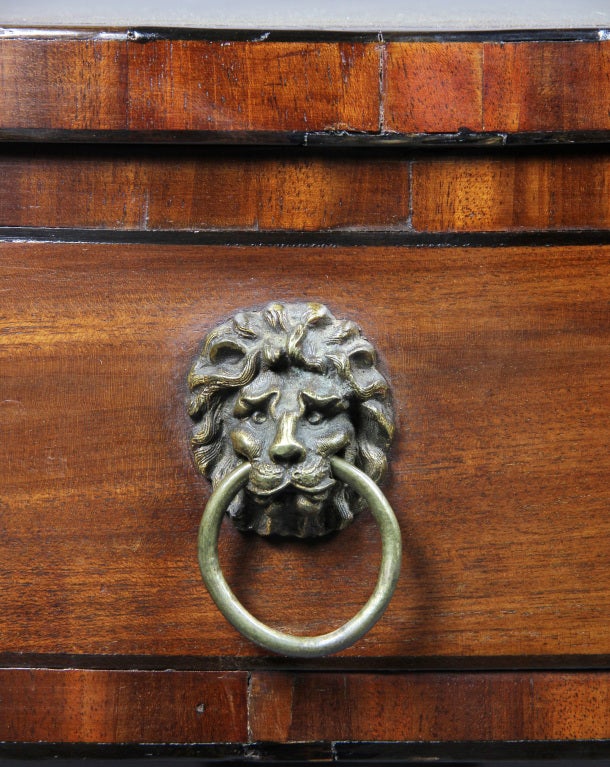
365	377
226	352
362	358
221	358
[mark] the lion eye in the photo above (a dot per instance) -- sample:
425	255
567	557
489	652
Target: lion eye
258	416
315	416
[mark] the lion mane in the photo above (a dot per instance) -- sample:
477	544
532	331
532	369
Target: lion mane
276	338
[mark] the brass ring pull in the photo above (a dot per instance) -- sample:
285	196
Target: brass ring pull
277	395
277	641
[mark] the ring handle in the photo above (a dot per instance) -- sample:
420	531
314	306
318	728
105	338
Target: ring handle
277	641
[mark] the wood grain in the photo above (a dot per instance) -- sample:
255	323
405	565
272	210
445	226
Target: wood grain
199	188
547	86
430	707
275	88
499	363
207	85
437	87
188	85
553	190
121	707
84	706
433	87
64	84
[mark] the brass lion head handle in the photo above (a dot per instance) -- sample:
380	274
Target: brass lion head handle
289	399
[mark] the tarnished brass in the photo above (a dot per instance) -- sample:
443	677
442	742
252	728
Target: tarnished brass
292	425
278	641
286	389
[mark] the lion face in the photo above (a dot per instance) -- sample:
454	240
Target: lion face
288	426
285	388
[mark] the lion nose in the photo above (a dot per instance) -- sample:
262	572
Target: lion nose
285	447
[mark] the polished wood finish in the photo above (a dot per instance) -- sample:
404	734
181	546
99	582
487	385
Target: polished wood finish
200	188
132	84
84	706
507	87
65	84
203	85
567	86
306	190
122	707
554	190
182	85
430	707
499	364
433	87
498	356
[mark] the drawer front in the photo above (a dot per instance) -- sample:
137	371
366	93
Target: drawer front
498	361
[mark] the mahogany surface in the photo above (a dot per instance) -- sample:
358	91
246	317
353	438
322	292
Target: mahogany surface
526	190
89	81
432	88
197	85
85	706
186	188
497	349
498	360
106	706
424	707
189	188
529	88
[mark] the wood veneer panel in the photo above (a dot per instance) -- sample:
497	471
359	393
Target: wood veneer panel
433	87
555	190
202	189
208	85
499	360
275	88
437	87
550	86
188	85
64	84
72	706
430	707
199	188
